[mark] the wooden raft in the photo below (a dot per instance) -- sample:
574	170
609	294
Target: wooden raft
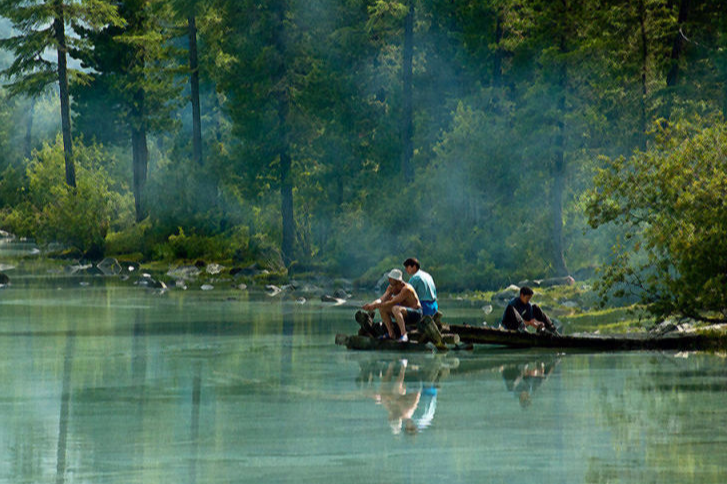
367	343
628	342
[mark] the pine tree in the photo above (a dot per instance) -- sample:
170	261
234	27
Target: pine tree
135	65
42	26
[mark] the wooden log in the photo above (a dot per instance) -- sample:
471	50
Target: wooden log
451	338
641	341
366	343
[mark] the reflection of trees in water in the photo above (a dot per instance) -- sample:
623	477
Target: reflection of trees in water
523	379
65	408
661	416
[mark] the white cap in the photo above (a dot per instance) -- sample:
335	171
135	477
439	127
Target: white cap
395	274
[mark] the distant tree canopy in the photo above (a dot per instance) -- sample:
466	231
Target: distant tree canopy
344	135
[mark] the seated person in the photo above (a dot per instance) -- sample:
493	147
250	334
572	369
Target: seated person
400	301
423	284
519	314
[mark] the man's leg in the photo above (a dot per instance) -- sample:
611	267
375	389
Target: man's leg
399	315
512	320
539	315
385	313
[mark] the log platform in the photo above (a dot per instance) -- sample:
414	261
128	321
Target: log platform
627	342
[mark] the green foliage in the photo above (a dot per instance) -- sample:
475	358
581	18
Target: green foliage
32	72
670	204
515	102
50	211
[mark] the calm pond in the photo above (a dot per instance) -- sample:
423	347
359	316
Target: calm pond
107	382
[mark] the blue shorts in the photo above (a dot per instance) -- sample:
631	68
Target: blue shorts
429	308
412	316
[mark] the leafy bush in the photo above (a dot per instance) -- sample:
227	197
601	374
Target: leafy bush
54	212
670	201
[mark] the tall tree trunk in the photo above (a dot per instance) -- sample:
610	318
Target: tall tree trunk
497	54
282	94
644	59
407	117
29	130
140	156
559	160
672	76
59	29
194	83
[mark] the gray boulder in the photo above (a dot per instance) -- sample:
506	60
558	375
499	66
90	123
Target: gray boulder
558	281
326	298
109	267
184	272
213	268
273	290
147	281
340	294
510	292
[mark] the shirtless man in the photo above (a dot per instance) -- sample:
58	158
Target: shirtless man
400	301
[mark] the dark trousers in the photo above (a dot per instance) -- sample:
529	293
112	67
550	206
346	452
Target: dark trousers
513	321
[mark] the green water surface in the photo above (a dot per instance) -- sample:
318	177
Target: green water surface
108	382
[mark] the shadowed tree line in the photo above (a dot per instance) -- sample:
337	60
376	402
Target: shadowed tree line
340	135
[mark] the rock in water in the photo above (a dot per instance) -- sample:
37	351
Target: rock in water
4	279
214	268
76	268
109	267
273	290
340	294
330	299
487	309
207	287
147	281
301	300
184	272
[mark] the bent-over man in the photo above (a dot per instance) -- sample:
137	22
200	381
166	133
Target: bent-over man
400	301
519	313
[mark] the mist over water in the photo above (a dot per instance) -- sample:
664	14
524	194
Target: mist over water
111	382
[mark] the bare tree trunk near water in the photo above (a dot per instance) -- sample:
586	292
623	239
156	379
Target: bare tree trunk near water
407	121
194	85
672	76
59	30
559	159
644	59
29	130
282	94
140	156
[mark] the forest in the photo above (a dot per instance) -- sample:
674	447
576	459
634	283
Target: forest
494	140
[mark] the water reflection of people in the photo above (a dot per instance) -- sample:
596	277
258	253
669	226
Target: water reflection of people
524	380
393	395
410	403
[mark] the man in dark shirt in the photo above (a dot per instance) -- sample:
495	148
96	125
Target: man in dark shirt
519	314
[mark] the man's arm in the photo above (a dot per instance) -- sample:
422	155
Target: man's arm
378	302
403	295
534	323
